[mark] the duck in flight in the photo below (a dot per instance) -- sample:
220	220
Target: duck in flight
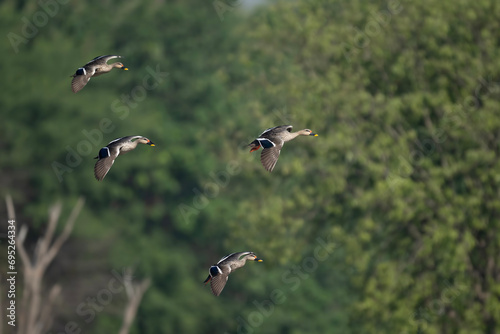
218	273
272	141
109	153
97	66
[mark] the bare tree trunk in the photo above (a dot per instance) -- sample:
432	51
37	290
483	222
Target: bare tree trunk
35	314
134	294
32	318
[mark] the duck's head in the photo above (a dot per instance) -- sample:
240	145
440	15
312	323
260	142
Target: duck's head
144	140
252	257
307	132
120	65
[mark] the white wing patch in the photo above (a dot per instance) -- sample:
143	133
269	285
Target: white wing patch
101	57
225	257
260	140
98	57
274	127
117	139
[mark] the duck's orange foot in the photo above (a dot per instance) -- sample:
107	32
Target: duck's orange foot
254	148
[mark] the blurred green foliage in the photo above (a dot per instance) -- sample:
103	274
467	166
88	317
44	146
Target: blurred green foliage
402	183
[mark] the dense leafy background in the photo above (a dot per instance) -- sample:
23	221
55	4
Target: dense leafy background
402	184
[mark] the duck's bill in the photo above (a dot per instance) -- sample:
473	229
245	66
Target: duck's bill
313	134
124	68
258	260
150	143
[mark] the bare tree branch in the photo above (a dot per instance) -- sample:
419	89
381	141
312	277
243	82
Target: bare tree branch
70	222
32	318
20	246
44	242
135	293
46	316
11	214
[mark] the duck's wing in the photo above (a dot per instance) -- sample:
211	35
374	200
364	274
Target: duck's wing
272	131
102	168
124	145
270	154
101	60
269	158
118	141
106	158
229	257
218	282
81	78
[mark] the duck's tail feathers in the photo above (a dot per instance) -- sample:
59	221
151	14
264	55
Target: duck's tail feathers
254	146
